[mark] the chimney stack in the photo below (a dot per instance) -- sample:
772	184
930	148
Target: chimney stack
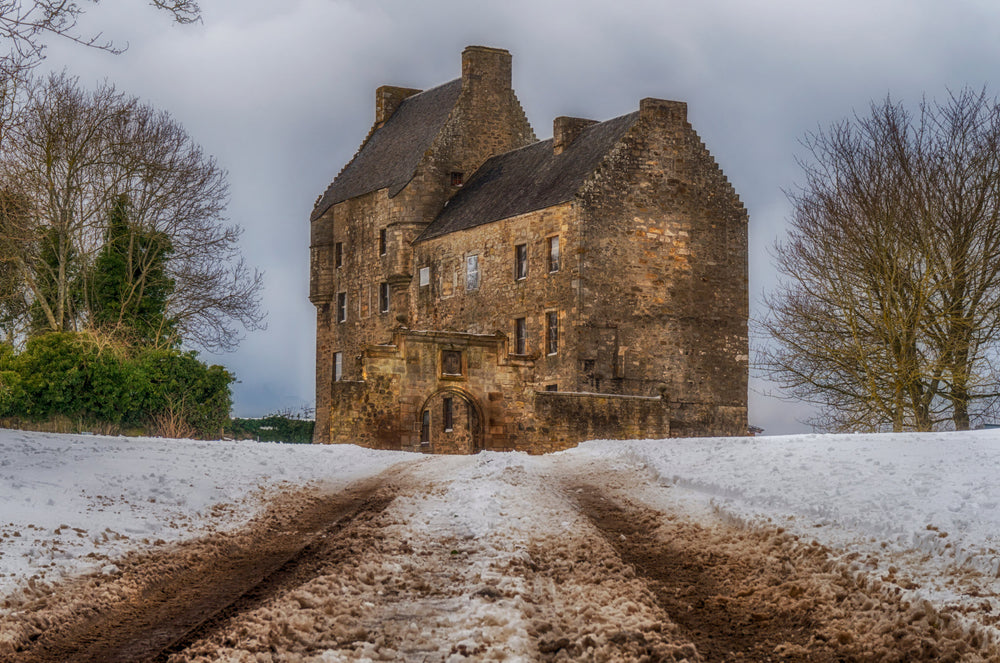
565	130
482	65
387	100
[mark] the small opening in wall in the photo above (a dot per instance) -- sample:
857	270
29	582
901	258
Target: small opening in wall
338	255
457	179
425	427
448	414
382	242
551	387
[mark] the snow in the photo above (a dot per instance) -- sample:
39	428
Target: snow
73	503
917	509
926	500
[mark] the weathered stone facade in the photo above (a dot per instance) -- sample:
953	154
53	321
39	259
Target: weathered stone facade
479	289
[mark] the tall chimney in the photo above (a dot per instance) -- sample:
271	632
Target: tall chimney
387	100
565	130
482	65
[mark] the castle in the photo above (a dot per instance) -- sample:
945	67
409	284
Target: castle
477	288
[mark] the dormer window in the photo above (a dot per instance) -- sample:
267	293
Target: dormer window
457	179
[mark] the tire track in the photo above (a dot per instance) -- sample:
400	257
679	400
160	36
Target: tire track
204	587
741	595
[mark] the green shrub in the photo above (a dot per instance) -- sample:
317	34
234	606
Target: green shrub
161	391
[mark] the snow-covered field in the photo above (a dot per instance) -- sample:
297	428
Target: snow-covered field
73	503
917	511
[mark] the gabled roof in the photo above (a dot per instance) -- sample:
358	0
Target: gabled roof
528	179
390	155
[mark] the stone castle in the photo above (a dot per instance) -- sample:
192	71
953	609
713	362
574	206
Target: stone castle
477	288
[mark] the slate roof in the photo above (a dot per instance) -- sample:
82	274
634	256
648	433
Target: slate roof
390	155
528	179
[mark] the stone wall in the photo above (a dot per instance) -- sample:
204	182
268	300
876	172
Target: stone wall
563	420
661	217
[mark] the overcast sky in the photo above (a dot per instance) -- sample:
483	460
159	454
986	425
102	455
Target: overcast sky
281	92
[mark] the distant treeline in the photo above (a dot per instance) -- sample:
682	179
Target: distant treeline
272	428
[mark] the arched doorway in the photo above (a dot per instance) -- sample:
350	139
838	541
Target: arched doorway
451	421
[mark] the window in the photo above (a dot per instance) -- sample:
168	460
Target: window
381	242
551	387
552	332
338	255
520	336
448	414
338	366
383	297
425	427
554	254
425	276
471	272
456	179
521	261
341	306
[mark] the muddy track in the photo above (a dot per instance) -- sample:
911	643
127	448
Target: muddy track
764	596
203	589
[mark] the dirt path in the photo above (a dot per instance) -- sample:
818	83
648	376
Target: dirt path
765	596
493	558
162	602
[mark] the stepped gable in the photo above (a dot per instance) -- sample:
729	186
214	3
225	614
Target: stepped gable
390	155
528	179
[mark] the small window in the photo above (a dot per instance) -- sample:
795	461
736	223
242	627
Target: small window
472	272
447	414
520	261
554	254
338	255
425	427
520	336
383	297
552	332
551	387
456	179
341	307
338	366
425	276
381	241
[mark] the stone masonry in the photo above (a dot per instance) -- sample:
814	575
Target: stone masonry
478	289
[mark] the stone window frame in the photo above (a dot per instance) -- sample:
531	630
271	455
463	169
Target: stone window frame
521	336
338	366
383	241
384	297
424	276
552	251
472	276
338	255
341	307
520	262
551	333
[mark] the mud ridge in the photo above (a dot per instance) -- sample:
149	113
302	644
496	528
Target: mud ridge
174	598
741	595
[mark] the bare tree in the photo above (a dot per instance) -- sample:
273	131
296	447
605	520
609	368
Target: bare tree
24	24
74	155
887	312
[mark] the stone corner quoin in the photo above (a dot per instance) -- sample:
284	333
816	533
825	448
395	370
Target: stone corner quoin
477	288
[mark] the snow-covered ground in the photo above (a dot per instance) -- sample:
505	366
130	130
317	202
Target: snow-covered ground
919	511
73	503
